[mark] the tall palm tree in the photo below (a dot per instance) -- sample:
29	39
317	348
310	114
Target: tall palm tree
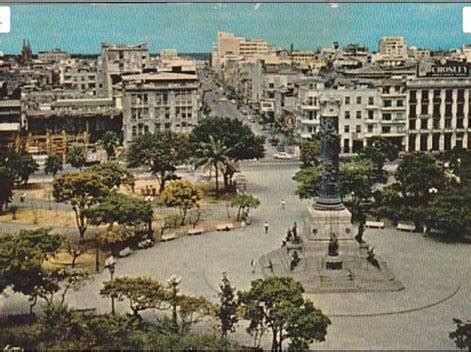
213	154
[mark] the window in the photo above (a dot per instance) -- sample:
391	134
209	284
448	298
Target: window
400	103
423	124
387	116
449	95
460	110
424	95
386	89
346	145
387	103
347	100
460	95
386	129
424	109
412	124
371	114
371	101
358	100
436	110
413	96
358	114
347	114
370	128
448	110
346	129
358	128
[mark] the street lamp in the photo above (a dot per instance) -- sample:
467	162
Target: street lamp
110	264
174	281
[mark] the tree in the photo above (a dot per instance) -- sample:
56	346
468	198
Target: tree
462	335
19	164
77	156
121	209
232	133
6	187
161	152
22	256
213	155
227	308
308	181
53	165
110	141
113	175
244	201
417	174
181	194
142	293
310	151
81	190
277	304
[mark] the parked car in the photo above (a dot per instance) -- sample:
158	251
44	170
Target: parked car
282	155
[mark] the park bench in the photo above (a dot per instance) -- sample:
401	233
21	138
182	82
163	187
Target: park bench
84	311
404	226
125	252
194	232
145	244
375	224
225	227
168	237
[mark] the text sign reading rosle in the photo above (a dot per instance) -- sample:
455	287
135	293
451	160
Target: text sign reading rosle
4	19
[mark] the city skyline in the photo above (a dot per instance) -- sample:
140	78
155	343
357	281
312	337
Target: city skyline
81	28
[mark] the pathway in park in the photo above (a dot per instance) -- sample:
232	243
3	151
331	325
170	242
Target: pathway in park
436	275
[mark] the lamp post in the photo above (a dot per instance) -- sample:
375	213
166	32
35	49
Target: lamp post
110	264
174	281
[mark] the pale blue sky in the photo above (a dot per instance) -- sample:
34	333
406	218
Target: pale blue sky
193	27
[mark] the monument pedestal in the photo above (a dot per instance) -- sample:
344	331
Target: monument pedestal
333	262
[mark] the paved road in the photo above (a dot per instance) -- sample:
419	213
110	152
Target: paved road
430	270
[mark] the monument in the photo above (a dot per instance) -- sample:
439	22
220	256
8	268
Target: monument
325	256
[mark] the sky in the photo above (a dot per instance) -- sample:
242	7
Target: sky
193	27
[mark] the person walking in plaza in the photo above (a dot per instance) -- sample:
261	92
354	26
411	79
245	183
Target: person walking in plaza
266	227
283	203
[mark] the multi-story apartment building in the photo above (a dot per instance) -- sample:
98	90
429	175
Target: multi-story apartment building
438	107
116	60
393	47
159	101
11	120
78	75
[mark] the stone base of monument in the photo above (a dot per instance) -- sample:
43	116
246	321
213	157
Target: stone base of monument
350	271
333	262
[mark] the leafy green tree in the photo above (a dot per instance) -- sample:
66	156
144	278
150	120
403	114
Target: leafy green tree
22	256
121	209
53	165
310	151
113	175
277	304
234	135
161	152
142	293
308	181
417	176
450	211
244	201
181	194
459	160
462	335
213	155
77	156
20	164
81	190
110	142
227	309
6	187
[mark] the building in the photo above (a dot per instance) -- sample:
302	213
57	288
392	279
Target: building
158	102
53	56
78	75
12	121
393	47
117	60
438	107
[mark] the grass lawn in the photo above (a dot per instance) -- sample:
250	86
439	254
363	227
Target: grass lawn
40	217
86	261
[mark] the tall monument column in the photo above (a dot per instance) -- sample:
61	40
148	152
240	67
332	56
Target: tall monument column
328	197
327	215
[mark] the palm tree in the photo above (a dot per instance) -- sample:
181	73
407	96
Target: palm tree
213	154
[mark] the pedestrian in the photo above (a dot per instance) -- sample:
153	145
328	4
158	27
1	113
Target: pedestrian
266	227
252	264
283	203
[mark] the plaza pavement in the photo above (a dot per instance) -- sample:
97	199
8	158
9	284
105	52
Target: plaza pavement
436	275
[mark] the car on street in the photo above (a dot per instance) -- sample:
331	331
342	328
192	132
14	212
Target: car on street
283	156
223	99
